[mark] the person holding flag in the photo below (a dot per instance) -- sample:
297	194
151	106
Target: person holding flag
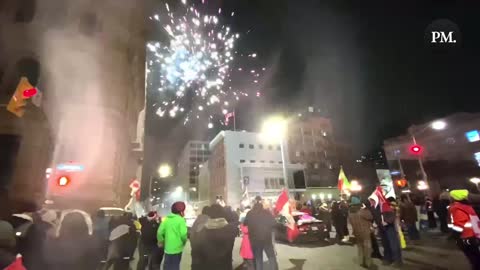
390	236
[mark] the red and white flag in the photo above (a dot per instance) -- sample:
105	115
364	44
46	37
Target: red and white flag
282	207
228	116
378	198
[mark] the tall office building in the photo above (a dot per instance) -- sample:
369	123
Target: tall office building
194	154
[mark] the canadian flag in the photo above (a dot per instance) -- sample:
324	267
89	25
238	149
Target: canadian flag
228	116
282	207
378	198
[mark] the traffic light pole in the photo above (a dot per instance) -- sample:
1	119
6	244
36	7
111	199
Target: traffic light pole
420	162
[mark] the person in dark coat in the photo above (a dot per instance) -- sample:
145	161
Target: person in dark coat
101	231
325	216
432	223
441	208
377	221
122	246
8	257
409	216
338	221
261	223
195	242
73	247
150	254
35	238
215	241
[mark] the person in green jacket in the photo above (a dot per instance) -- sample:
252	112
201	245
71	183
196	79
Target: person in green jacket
172	235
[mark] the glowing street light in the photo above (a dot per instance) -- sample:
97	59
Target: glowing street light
275	128
165	171
422	185
355	186
439	125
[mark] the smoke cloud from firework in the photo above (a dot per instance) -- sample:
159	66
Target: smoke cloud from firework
199	66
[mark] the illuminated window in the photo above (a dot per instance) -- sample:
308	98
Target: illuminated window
472	136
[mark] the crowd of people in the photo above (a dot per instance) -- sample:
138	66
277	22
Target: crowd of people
74	240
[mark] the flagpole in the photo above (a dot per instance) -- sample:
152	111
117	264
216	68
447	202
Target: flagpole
234	120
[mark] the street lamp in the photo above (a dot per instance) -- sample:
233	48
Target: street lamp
275	128
422	185
355	186
436	125
165	171
439	125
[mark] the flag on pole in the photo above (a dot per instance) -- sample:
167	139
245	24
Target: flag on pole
228	116
343	182
282	207
379	199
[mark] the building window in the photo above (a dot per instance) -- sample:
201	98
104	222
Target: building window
242	160
280	162
252	161
282	182
262	161
315	165
260	146
267	183
241	145
25	11
270	147
279	147
297	153
250	146
271	161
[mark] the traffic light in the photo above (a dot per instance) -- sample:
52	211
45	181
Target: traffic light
18	101
416	149
63	181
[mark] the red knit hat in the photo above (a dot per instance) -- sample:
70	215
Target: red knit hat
178	207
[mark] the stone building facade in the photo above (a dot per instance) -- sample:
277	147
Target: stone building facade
87	58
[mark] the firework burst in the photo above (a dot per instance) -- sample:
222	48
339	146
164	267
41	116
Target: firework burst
196	68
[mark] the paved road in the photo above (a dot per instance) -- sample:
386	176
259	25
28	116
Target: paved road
433	253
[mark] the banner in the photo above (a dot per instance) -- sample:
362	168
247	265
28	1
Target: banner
386	183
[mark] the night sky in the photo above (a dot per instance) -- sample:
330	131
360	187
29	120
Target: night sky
363	63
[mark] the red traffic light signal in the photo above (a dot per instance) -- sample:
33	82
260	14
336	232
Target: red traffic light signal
63	181
416	149
31	92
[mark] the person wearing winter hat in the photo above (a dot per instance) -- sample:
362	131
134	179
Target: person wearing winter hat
8	260
361	220
465	225
151	255
172	236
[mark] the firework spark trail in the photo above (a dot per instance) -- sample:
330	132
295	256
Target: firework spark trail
196	68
